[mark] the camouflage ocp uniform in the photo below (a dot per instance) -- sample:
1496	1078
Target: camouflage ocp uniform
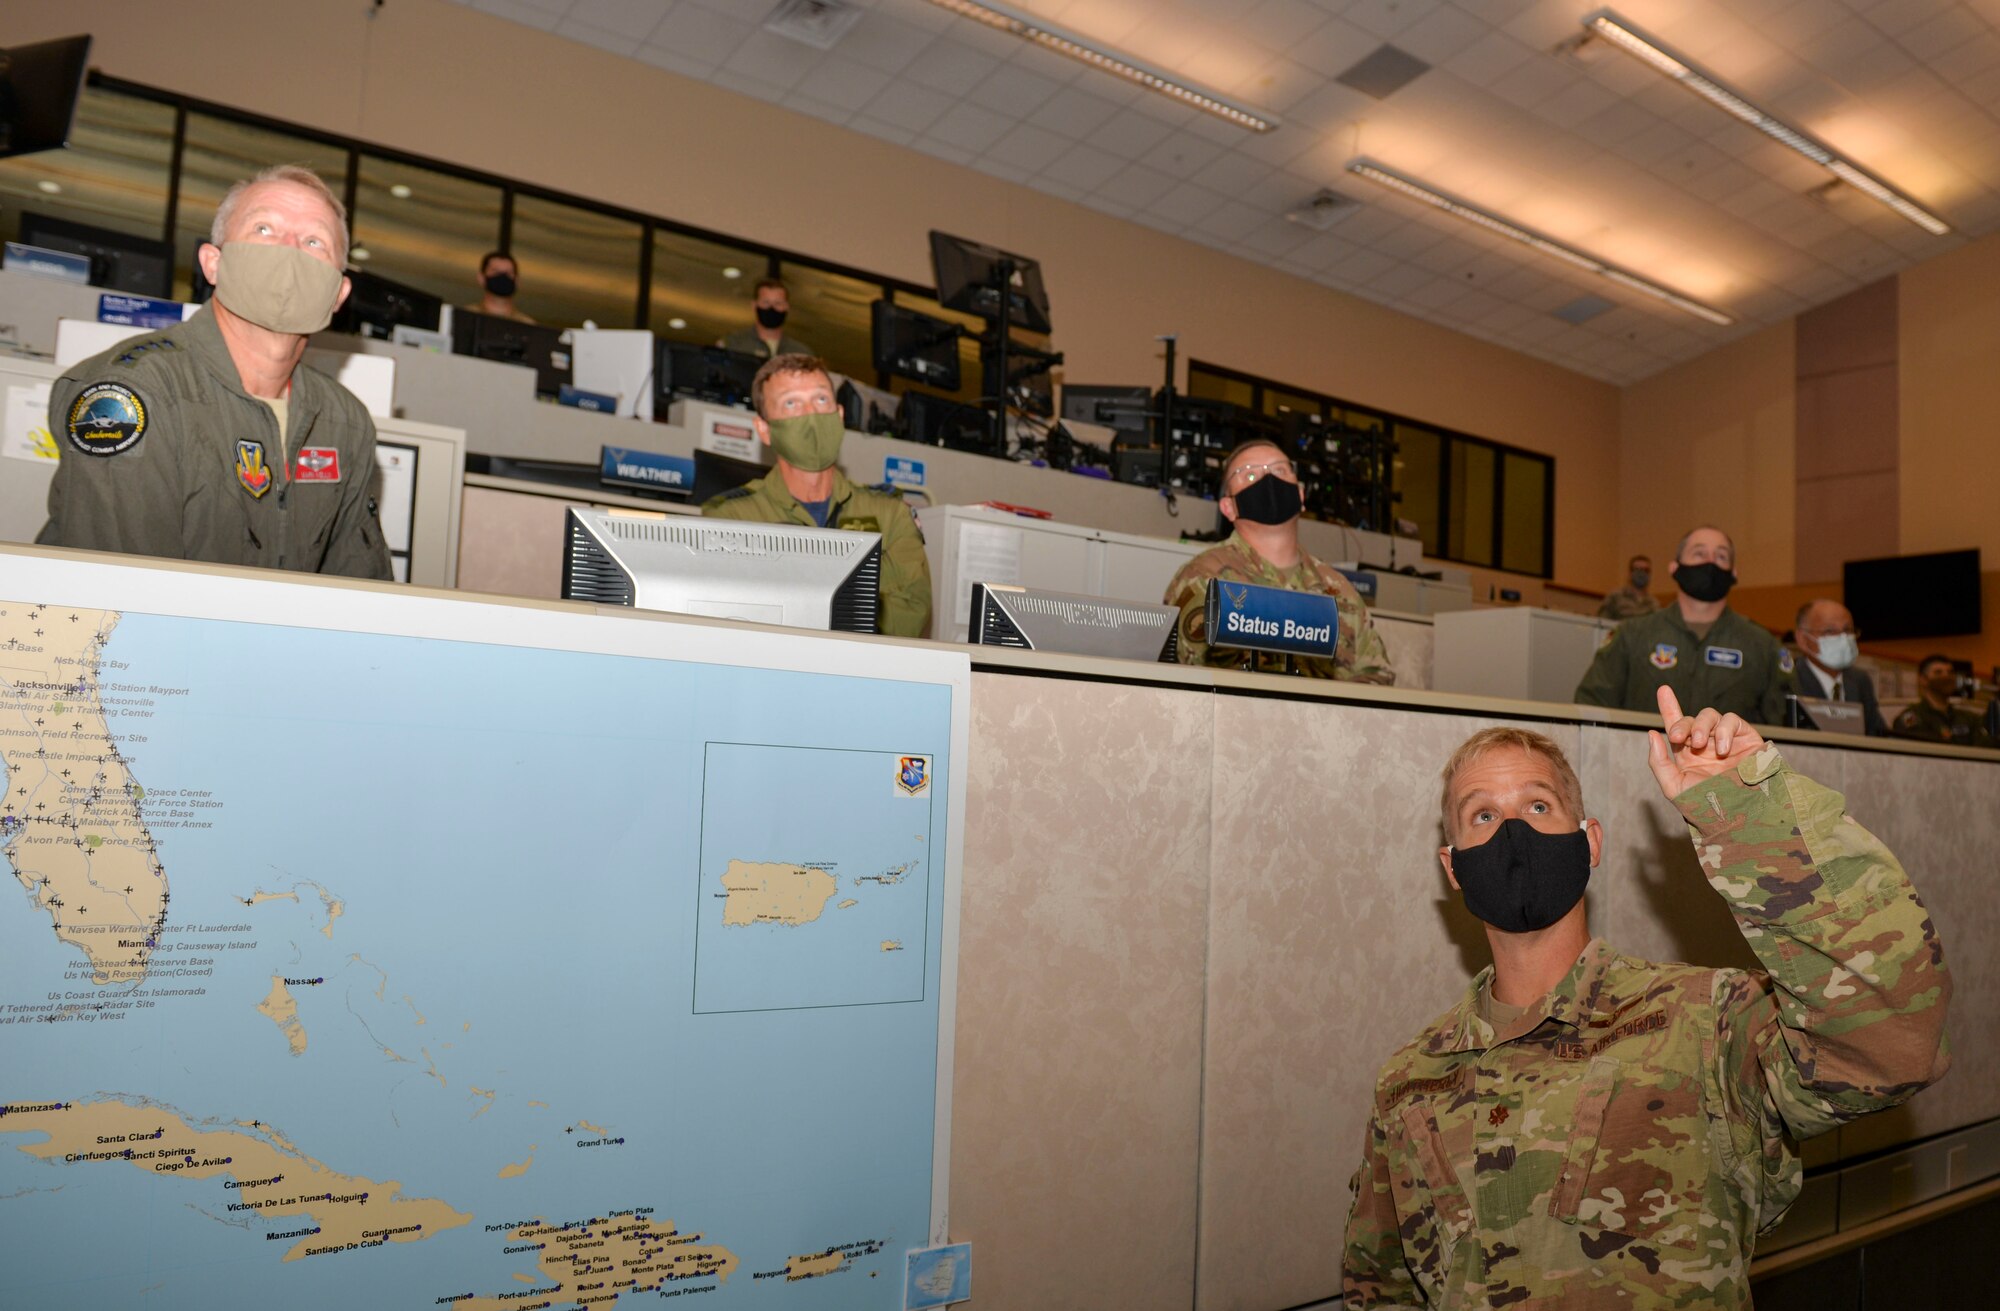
1626	1138
1358	653
1628	602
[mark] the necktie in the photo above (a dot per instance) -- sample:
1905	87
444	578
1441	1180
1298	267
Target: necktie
1836	689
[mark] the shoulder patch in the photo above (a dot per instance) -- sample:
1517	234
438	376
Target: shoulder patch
1784	662
105	419
735	493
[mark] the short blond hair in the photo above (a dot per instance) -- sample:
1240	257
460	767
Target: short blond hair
1497	739
778	364
299	176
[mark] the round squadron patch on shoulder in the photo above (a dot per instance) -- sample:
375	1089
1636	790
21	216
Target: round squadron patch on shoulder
105	419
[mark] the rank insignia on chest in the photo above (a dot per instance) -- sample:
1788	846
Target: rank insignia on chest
317	464
1497	1116
1728	657
250	468
1665	656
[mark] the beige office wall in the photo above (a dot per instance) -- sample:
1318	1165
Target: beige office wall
1950	407
442	80
1710	441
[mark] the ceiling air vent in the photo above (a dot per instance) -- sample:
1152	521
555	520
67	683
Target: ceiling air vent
817	23
1384	73
1584	308
1323	209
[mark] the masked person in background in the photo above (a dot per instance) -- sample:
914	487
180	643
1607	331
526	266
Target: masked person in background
1826	634
766	337
499	283
1706	652
1592	1130
1632	599
1261	500
1931	717
210	440
798	419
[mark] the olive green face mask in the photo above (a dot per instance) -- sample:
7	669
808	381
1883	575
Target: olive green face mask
807	442
277	287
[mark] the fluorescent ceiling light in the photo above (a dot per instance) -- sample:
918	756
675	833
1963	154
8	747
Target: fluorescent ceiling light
1006	18
1662	58
1471	213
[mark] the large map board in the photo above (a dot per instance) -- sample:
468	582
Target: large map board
374	949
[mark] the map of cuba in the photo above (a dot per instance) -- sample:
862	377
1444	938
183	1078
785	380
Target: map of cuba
345	968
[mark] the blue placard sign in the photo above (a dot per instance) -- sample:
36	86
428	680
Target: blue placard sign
1253	618
1364	582
48	263
627	468
139	311
901	472
595	401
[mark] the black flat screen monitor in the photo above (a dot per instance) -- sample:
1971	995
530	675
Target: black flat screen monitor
1914	595
118	260
509	341
920	347
378	306
707	373
39	88
938	421
715	474
1125	408
968	274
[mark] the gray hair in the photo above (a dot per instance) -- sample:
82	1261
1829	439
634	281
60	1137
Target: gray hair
299	176
1799	619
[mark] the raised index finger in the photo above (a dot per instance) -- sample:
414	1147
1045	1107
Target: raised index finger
1670	706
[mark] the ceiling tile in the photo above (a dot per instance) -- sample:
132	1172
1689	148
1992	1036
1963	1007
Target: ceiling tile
1077	113
1029	148
1440	34
1385	18
629	18
674	62
883	42
701	34
1280	24
1182	155
843	82
618	43
1490	57
1012	91
1232	222
908	106
969	127
949	67
769	57
1232	174
882	131
1084	167
1136	185
1188	203
1333	48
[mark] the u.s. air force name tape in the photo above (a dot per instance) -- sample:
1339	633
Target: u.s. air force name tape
621	467
1255	618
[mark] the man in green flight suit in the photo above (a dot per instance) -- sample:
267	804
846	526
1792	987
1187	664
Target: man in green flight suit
1261	499
1931	717
767	338
1591	1130
212	439
1706	652
798	419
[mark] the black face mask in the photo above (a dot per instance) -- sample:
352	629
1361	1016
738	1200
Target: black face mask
770	318
1704	582
1522	879
500	284
1269	500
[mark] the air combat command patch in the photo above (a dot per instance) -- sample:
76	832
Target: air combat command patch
106	418
250	469
1665	655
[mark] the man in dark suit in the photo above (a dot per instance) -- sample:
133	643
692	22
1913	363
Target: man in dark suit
1825	632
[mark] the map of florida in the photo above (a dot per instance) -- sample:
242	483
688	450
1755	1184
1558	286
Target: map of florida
261	1173
70	821
762	892
585	1262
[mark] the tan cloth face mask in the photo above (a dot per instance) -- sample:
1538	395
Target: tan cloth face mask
276	287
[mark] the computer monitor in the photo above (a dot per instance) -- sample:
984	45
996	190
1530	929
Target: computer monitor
378	306
1037	620
491	337
707	373
715	474
119	261
939	421
920	347
866	409
969	274
825	578
39	88
1128	409
1934	595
